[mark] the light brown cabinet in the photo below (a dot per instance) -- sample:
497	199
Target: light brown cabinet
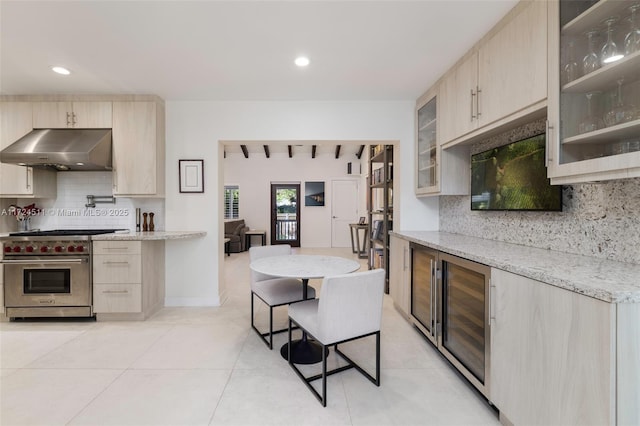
559	357
128	279
502	79
138	149
78	115
20	181
594	119
400	274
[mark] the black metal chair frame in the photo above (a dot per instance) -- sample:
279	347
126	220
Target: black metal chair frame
351	364
271	332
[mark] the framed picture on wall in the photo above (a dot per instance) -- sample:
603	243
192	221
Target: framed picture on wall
314	193
191	175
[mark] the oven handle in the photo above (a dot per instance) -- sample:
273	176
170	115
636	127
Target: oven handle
32	262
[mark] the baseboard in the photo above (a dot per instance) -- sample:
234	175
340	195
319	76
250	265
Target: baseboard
191	301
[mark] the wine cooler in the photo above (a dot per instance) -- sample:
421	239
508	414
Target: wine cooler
450	306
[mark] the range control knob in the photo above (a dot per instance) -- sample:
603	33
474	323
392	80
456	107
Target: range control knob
7	249
16	249
80	248
44	249
29	249
58	249
71	249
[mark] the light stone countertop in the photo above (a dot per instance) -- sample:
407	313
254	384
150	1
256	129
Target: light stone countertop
149	236
608	280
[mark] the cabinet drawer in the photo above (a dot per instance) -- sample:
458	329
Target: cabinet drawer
117	268
117	298
117	247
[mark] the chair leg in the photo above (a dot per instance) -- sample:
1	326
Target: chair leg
270	327
324	376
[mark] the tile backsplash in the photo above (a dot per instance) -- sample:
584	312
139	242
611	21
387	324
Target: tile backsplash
68	210
600	220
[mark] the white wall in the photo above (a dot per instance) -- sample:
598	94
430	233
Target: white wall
255	174
194	131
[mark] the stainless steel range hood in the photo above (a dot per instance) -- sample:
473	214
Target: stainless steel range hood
62	149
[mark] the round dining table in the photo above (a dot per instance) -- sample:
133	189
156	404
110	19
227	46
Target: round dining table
304	267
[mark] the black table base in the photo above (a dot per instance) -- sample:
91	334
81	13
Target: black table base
303	351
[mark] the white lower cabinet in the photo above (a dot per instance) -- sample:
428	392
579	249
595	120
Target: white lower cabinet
553	355
128	279
400	274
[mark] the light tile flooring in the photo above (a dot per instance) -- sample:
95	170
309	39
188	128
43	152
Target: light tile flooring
205	366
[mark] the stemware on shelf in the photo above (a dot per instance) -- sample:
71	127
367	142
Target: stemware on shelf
619	112
609	52
591	62
592	120
632	39
570	70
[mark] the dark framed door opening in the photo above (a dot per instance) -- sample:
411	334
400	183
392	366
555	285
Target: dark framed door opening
285	214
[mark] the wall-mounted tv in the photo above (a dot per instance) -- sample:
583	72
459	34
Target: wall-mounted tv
514	177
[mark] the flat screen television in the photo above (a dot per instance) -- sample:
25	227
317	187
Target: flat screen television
514	177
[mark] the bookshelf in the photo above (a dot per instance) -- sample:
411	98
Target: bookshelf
380	206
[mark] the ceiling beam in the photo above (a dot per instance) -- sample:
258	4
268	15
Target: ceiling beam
359	153
313	151
266	150
245	151
338	151
290	148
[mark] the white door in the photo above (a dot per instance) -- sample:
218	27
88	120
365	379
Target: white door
344	210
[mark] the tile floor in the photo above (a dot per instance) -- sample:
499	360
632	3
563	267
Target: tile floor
199	366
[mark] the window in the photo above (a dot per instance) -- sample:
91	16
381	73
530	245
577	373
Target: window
231	201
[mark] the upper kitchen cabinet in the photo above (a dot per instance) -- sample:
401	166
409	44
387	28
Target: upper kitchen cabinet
78	115
138	149
594	91
437	171
503	79
20	181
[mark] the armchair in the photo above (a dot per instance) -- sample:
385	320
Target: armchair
235	230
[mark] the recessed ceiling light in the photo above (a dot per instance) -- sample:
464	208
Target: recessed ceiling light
61	70
302	61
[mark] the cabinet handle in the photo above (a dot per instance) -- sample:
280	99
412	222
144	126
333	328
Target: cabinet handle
404	258
478	91
547	139
115	248
115	291
431	299
115	263
492	300
473	95
29	172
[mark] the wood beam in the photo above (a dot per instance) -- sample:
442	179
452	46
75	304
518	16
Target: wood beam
338	151
290	151
245	151
266	150
360	151
313	151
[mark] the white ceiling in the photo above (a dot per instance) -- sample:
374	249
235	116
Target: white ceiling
238	50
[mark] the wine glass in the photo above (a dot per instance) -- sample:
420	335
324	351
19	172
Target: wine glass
619	113
592	121
591	62
570	70
609	52
632	40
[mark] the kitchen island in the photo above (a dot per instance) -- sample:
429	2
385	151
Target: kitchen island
563	329
150	236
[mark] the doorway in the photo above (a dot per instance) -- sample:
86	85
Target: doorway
344	211
285	214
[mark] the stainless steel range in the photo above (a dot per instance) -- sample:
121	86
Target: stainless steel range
48	273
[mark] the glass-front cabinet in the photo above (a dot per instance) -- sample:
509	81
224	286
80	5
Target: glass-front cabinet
426	146
594	90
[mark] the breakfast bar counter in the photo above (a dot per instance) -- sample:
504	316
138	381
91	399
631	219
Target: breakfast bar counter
607	280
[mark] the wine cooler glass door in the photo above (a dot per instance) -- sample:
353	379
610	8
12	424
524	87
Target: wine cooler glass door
465	324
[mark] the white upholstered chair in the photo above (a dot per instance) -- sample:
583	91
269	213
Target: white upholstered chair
274	291
349	308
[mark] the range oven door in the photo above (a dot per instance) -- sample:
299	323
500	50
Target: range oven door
41	281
